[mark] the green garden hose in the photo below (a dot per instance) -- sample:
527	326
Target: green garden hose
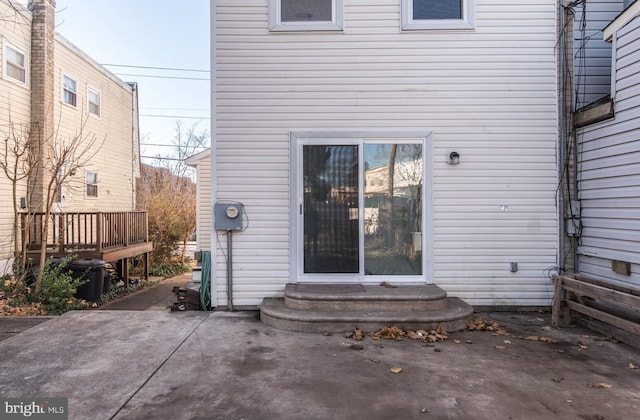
205	289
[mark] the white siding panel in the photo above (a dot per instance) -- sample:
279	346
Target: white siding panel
489	93
610	174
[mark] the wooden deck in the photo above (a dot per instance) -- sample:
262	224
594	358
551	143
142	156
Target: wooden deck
109	236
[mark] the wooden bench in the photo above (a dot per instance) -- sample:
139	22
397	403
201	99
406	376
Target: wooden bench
611	304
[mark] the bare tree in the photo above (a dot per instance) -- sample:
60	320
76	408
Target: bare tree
64	157
169	190
18	164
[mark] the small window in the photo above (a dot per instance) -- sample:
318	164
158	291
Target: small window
91	179
438	14
93	97
305	15
69	91
16	64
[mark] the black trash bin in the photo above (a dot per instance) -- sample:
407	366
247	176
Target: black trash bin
91	271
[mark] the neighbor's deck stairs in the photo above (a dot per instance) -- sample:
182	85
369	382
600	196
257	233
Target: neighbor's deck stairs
343	307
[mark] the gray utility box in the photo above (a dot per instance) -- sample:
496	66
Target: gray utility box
228	216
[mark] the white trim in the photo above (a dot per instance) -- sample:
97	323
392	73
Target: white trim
8	44
619	22
614	64
62	89
97	92
336	23
466	23
299	138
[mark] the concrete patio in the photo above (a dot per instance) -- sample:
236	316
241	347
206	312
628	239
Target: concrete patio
196	365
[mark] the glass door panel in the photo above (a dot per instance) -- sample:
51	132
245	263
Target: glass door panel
330	208
393	175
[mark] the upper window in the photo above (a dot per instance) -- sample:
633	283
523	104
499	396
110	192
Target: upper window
305	15
93	98
91	179
69	91
438	14
16	64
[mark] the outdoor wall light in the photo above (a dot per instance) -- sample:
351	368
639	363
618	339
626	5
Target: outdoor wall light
453	158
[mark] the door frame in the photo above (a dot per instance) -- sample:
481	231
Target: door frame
305	137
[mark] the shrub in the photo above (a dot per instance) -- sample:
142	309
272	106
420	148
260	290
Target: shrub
57	289
168	270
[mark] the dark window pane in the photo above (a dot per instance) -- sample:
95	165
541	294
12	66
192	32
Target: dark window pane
437	9
330	209
305	10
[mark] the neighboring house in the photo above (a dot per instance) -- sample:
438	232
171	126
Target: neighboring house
310	96
53	91
202	164
607	206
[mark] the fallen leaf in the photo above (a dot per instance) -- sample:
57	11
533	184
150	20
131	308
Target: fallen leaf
548	340
601	385
546	328
395	370
500	347
457	341
356	347
507	342
532	338
388	285
559	351
468	341
327	334
632	366
558	380
374	360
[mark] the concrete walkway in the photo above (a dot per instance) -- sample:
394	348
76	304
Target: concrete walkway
158	297
197	365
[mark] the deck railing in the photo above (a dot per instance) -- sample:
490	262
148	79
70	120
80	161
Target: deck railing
86	231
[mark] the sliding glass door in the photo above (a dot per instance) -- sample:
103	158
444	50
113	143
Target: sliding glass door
361	210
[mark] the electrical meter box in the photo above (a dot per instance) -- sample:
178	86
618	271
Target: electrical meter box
228	216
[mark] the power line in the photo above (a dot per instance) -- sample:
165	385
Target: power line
162	77
178	109
174	116
157	68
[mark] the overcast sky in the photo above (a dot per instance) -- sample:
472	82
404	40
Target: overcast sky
149	33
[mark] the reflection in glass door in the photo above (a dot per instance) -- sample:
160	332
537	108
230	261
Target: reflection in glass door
393	209
330	209
361	208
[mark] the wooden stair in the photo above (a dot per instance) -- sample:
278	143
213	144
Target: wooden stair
343	307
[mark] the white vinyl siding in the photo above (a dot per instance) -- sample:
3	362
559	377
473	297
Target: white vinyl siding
489	94
202	163
609	174
592	54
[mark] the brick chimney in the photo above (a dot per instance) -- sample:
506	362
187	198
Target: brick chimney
42	91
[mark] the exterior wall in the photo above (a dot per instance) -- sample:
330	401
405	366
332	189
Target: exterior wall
489	94
609	173
115	158
204	227
117	161
592	55
15	115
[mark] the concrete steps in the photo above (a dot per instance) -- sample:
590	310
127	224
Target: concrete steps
343	307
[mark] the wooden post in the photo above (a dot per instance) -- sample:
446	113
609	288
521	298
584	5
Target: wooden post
557	301
99	230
